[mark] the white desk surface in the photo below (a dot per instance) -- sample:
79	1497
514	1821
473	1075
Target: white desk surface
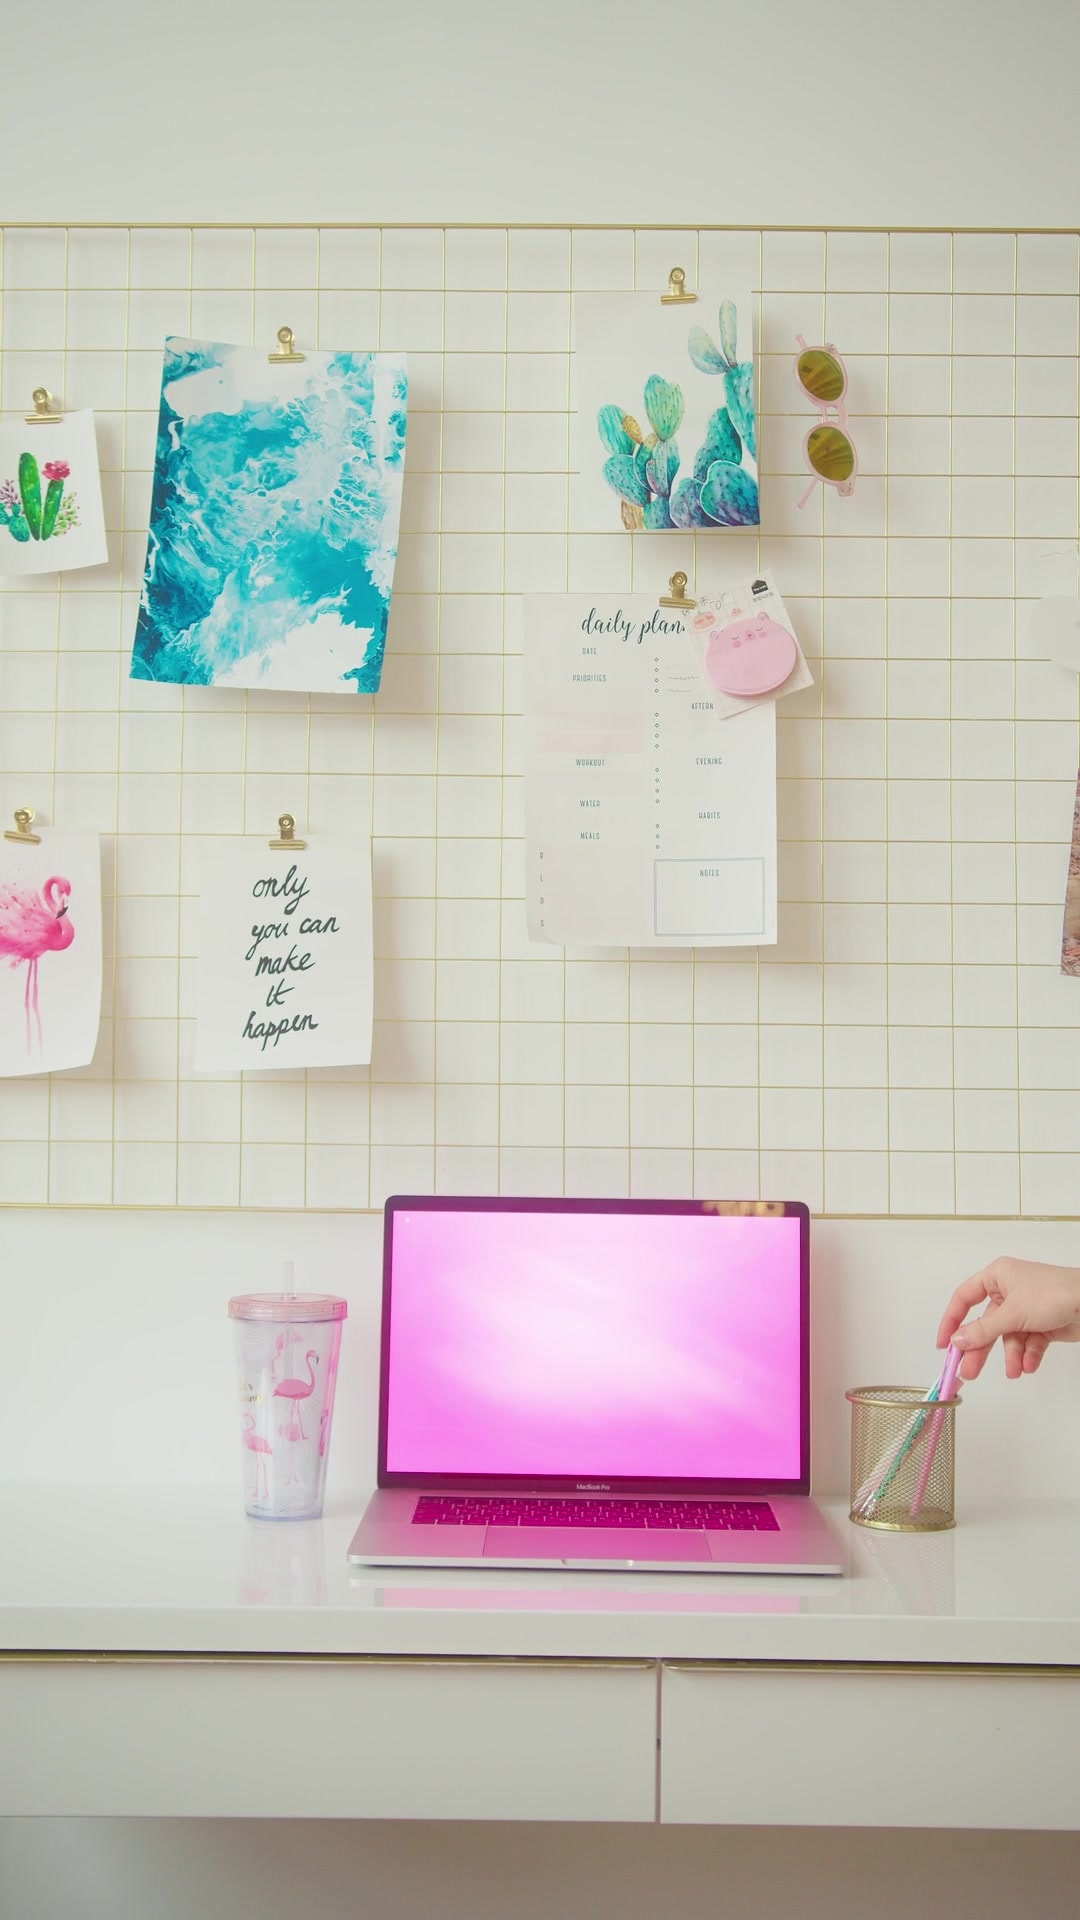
180	1570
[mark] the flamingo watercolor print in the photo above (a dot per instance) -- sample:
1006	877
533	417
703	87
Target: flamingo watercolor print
51	516
273	520
50	953
665	423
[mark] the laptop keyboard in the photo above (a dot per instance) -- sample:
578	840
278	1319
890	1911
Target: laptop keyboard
529	1510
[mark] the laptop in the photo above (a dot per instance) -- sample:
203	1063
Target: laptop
595	1384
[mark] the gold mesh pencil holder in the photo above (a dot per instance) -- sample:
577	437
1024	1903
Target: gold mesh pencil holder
895	1432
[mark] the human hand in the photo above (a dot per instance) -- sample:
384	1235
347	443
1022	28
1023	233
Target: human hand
1030	1305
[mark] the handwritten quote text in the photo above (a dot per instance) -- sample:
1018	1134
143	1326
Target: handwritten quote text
281	957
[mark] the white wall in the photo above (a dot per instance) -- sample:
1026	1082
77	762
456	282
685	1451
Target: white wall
125	1367
939	112
589	111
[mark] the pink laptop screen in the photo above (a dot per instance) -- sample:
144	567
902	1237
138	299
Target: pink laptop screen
593	1345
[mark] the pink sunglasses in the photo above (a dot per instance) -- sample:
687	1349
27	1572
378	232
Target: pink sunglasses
828	449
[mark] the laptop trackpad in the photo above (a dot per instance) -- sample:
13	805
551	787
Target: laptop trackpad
594	1543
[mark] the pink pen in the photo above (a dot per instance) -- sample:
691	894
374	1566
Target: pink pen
948	1389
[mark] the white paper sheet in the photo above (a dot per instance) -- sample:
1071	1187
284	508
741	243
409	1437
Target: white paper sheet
285	956
664	427
51	516
726	612
50	952
648	822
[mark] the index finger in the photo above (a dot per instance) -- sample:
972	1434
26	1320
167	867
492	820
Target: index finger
967	1295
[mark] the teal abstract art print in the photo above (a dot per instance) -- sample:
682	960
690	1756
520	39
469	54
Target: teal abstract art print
273	520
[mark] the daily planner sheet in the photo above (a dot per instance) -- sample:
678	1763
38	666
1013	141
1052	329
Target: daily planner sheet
649	821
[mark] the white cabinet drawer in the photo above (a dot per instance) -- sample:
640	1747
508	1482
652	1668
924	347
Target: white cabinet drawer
953	1747
367	1739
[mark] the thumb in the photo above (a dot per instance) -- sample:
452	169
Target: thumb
984	1331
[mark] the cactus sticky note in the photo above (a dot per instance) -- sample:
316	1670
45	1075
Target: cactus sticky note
665	429
51	516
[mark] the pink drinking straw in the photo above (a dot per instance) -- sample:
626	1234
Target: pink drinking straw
948	1389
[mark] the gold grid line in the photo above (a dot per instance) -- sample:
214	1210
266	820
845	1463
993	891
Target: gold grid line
510	226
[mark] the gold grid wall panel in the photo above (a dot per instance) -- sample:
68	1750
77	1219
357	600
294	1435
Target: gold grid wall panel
908	1047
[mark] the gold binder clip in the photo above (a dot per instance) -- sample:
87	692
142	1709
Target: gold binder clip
676	295
678	596
288	354
288	842
24	820
43	415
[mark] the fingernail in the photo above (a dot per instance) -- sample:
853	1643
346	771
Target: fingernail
960	1337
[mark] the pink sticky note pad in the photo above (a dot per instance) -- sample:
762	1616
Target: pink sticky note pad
750	656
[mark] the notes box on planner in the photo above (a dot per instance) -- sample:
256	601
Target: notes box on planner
709	898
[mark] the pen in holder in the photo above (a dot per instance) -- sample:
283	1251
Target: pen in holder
902	1459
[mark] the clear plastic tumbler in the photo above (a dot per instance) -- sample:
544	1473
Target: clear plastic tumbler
287	1349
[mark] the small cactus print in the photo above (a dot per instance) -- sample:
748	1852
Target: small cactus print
24	513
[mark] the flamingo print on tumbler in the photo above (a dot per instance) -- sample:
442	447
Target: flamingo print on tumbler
283	1399
298	1390
33	924
260	1447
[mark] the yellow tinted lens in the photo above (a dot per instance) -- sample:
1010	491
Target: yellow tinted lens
821	375
831	454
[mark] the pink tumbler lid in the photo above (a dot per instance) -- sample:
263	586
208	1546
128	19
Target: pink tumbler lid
288	1306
